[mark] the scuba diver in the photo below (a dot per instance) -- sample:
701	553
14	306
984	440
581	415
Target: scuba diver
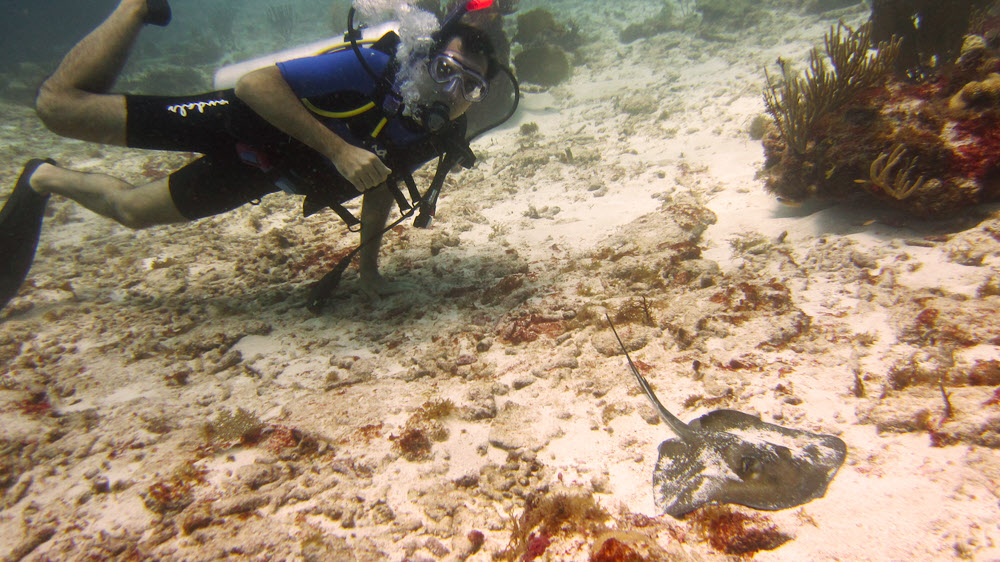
330	127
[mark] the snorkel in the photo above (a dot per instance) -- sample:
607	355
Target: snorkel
353	34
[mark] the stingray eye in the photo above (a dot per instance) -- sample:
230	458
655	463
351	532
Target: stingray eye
749	467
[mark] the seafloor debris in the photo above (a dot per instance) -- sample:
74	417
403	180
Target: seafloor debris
919	138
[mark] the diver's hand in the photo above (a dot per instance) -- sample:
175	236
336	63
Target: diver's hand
362	168
374	286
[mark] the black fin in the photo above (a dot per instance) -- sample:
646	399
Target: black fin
20	225
311	206
157	13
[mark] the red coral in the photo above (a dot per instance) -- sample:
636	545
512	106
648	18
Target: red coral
414	445
924	91
927	318
747	297
613	550
978	154
282	438
175	493
536	546
32	407
528	328
736	533
369	432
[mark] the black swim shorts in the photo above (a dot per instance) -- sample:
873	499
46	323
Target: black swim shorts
220	180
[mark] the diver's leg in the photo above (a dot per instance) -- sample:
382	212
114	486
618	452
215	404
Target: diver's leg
375	208
134	207
74	102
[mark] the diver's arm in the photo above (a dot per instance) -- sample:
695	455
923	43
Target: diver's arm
268	94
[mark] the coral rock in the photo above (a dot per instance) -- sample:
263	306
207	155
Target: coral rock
984	93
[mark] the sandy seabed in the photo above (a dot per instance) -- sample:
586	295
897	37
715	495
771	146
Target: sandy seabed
166	395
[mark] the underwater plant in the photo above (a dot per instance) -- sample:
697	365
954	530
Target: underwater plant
424	427
239	426
550	515
803	101
918	136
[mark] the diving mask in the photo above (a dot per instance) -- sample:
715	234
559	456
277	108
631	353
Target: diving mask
446	69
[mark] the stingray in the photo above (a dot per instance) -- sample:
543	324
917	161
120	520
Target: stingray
726	456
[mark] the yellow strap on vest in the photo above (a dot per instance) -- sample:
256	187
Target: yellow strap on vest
354	112
337	114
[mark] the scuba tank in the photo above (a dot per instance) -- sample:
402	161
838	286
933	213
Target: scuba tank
227	76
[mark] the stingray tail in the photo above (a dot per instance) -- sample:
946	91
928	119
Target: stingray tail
679	427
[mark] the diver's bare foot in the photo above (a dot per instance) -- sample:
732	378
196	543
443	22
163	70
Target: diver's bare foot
39	178
375	286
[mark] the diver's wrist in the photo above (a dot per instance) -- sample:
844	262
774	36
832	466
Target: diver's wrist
334	147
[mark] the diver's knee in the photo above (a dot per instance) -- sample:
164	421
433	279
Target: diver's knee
144	207
45	105
52	105
132	221
129	214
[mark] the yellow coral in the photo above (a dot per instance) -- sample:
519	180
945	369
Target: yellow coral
972	43
986	92
902	185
